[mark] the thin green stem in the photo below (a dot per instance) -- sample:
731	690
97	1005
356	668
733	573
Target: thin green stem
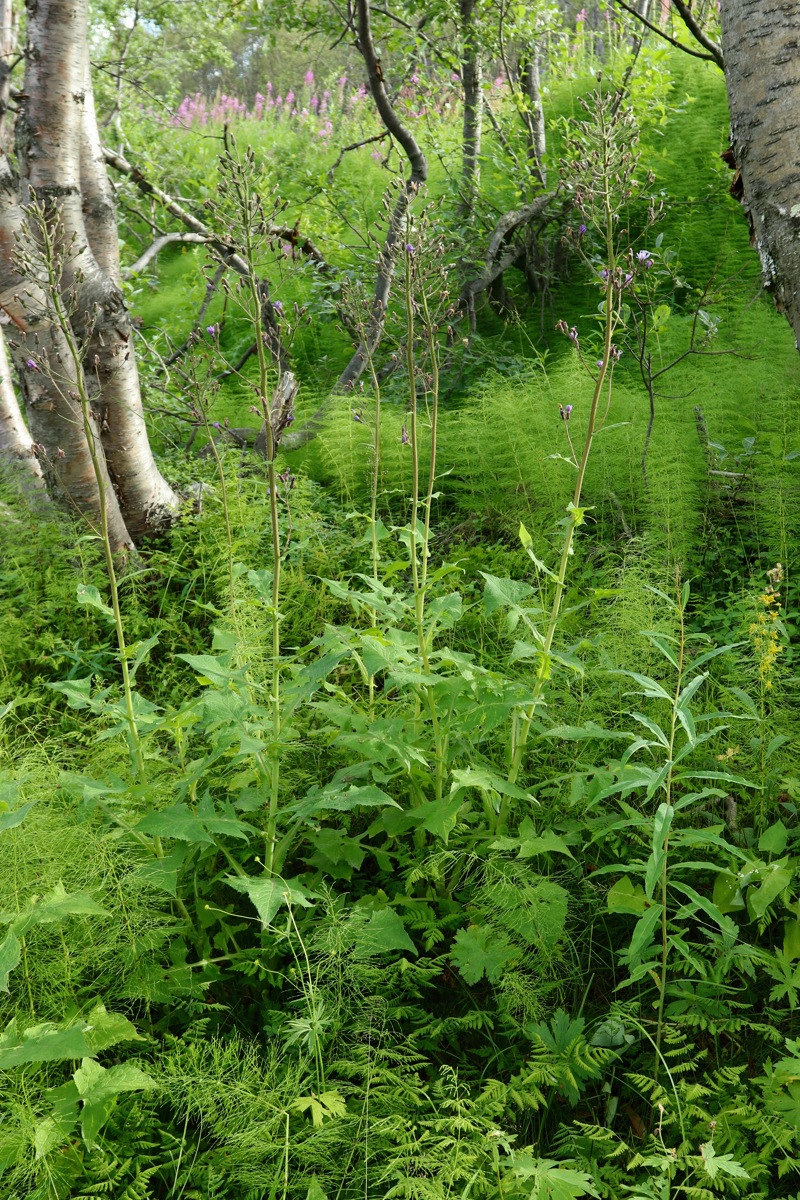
662	980
63	323
575	517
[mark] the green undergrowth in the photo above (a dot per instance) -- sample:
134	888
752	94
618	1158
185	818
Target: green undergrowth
449	849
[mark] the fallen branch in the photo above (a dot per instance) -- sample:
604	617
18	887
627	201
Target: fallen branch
501	253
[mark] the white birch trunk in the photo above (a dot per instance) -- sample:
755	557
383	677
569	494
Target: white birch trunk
57	123
759	48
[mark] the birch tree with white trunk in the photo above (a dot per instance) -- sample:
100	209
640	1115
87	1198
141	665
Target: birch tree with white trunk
60	170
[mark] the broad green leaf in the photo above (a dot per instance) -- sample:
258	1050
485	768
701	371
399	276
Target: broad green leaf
626	897
776	880
77	691
503	593
721	1164
545	843
486	780
106	1029
322	1107
43	1043
10	954
481	950
774	839
55	906
90	597
216	669
176	822
438	817
791	939
99	1087
269	892
383	933
10	820
338	797
727	893
545	1180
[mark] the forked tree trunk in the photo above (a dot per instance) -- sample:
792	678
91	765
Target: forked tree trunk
57	122
760	51
48	375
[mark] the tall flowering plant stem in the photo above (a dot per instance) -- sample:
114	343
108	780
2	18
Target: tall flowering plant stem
240	187
604	162
50	262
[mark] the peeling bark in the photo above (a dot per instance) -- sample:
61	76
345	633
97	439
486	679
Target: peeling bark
48	378
761	47
57	124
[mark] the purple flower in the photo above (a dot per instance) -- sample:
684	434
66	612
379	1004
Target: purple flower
404	438
604	274
357	417
600	363
32	363
565	413
581	231
409	248
309	78
573	335
212	329
276	304
216	424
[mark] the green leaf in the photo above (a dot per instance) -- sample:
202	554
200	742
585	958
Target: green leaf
791	939
99	1087
545	1180
10	820
524	537
776	880
480	950
334	798
269	892
383	933
626	897
10	954
642	934
55	906
774	839
727	893
107	1029
43	1043
91	598
486	780
176	822
545	843
438	817
503	593
721	1164
322	1107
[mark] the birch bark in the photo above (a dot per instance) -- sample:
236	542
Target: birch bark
761	51
59	154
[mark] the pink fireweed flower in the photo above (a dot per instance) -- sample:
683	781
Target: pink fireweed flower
308	78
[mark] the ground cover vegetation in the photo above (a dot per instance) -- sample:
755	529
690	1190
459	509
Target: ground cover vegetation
417	815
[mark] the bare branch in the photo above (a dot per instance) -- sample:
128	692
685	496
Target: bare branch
710	57
155	248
